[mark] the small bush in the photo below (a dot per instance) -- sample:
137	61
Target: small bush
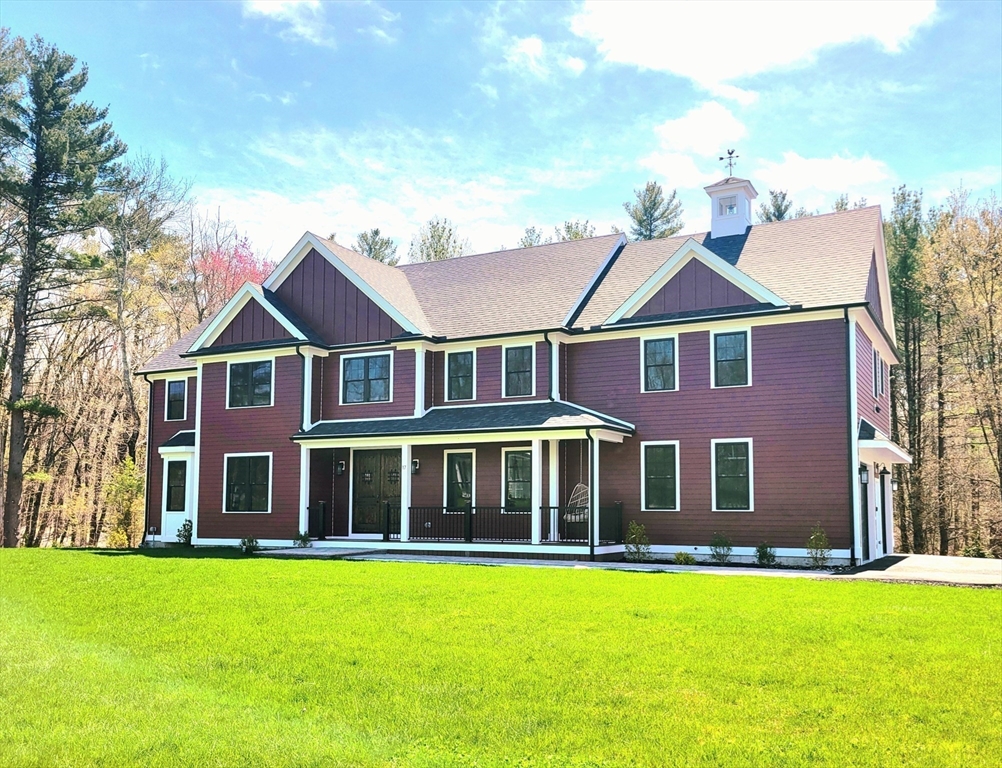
249	545
720	548
184	533
765	555
118	539
818	548
638	546
303	540
684	558
974	549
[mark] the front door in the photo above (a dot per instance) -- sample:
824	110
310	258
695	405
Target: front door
375	483
175	498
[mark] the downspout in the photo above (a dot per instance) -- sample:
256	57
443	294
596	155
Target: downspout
302	388
149	458
594	496
853	471
549	349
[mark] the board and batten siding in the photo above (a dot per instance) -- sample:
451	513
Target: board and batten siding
401	404
795	411
876	410
160	432
250	430
332	305
489	371
696	286
252	323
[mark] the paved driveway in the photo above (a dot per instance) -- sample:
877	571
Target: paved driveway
932	568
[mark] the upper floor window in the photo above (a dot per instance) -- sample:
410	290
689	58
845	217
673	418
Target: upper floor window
659	365
660	476
176	400
730	359
879	372
728	205
518	371
459	378
366	379
732	475
247	482
250	384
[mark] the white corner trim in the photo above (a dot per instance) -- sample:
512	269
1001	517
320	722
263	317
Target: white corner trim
713	473
232	308
459	351
595	278
692	250
271	470
673	337
643	475
504	369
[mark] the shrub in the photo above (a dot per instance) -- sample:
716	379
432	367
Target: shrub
303	540
684	558
184	533
123	495
720	548
248	545
765	555
974	549
638	546
818	548
117	539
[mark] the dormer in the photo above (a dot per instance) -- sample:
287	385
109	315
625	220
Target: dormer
731	199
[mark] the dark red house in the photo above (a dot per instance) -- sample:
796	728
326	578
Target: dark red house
536	401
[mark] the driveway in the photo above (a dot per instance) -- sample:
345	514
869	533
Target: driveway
932	568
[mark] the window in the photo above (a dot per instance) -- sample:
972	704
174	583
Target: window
732	475
879	371
660	476
366	379
518	371
177	480
250	384
248	483
730	359
176	406
459	378
459	480
517	479
728	205
659	365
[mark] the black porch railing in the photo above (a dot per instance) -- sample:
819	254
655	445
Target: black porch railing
390	522
573	525
470	524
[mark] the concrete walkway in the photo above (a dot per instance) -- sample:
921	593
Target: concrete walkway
972	571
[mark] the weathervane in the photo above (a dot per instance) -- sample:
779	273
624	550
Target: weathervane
731	157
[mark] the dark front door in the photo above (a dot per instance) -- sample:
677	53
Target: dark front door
375	483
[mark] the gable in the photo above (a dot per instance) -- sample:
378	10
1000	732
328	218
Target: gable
695	286
333	305
253	323
873	290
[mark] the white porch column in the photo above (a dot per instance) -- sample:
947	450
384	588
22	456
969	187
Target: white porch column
555	369
596	443
405	492
537	487
554	500
304	489
889	514
307	390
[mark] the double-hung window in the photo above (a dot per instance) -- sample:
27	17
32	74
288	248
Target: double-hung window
248	483
733	485
659	365
366	379
459	377
250	384
879	370
517	480
518	371
176	397
660	476
730	359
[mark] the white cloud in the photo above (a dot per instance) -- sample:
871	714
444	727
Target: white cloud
304	19
815	182
980	182
574	64
527	53
715	44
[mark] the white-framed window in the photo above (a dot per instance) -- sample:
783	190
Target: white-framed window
732	471
175	485
516	479
659	476
366	377
250	384
176	400
518	370
879	373
730	358
461	375
247	483
459	480
659	364
728	206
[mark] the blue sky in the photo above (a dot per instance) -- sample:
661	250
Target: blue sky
289	116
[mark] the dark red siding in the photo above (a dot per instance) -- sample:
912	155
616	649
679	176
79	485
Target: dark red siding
316	406
696	286
402	403
250	430
795	412
427	485
489	375
873	290
159	432
252	323
322	484
332	305
876	410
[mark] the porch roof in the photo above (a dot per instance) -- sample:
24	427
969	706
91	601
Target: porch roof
183	439
501	417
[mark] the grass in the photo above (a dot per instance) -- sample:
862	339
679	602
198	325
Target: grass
213	659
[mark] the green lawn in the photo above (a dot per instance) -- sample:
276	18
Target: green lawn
212	659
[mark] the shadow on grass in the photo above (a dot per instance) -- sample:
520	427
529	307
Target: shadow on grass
187	553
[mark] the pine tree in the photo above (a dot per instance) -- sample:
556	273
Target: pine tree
574	230
653	215
437	241
777	208
533	236
374	245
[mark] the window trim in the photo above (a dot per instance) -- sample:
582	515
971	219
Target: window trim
877	374
187	488
340	377
271	485
643	362
720	206
747	330
445	479
184	381
505	450
271	391
643	475
504	370
713	473
473	374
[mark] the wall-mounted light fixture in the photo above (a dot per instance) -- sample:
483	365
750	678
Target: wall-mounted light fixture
894	483
339	468
415	466
884	472
864	475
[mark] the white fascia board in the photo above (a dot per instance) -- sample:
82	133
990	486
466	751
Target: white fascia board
872	330
690	250
299	251
232	308
464	438
176	449
595	278
883	451
884	280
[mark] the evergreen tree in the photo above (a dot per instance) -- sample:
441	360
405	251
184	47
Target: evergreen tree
842	203
652	214
437	241
533	236
574	230
777	208
374	245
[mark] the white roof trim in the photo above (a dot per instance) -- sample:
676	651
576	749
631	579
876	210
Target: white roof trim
583	297
884	282
692	250
299	251
232	308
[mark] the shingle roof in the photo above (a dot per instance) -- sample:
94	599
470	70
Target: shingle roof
170	359
183	439
283	309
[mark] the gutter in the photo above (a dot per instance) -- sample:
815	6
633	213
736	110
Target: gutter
302	386
851	434
149	458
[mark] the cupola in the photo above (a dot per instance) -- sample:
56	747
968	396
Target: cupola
731	199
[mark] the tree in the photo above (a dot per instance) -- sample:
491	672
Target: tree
436	241
777	208
375	246
842	203
533	237
653	215
574	230
54	180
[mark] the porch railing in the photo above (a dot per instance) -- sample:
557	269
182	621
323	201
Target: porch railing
470	524
573	525
389	522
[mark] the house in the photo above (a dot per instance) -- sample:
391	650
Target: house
535	401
